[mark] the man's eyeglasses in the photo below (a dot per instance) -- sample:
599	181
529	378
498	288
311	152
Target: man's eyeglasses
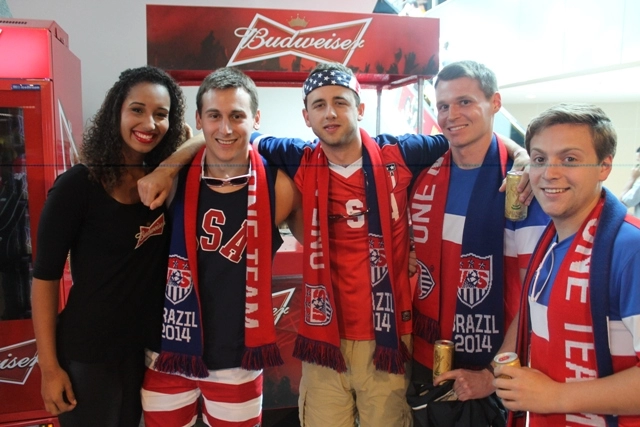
234	181
354	215
223	182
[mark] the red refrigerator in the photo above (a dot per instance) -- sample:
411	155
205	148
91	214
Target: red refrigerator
40	135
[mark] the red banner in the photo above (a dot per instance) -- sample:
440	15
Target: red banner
284	45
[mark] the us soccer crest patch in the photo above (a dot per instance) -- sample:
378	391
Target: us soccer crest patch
179	280
377	259
425	281
317	307
476	277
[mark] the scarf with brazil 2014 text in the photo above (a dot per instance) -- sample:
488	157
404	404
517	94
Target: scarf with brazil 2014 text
318	338
480	285
181	349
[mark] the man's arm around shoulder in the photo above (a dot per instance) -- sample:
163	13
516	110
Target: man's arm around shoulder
156	187
288	204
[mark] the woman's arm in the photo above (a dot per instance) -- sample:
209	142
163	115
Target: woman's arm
56	390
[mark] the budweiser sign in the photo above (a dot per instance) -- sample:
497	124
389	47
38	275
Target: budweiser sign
193	38
266	38
17	362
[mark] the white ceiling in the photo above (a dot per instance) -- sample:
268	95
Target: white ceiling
548	50
619	84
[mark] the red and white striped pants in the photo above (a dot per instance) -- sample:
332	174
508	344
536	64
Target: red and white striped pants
231	397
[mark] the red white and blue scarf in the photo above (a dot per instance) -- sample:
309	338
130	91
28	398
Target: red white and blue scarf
318	338
481	255
603	222
182	346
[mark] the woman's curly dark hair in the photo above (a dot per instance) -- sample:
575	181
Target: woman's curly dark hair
102	143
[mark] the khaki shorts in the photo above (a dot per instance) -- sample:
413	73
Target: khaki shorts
376	398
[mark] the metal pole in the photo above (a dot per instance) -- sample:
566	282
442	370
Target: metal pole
420	102
378	109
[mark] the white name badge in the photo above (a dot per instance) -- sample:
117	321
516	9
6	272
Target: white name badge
539	321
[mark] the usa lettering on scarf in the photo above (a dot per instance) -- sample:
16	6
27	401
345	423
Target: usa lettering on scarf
182	353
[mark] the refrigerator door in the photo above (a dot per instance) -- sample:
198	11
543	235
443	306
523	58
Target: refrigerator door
22	194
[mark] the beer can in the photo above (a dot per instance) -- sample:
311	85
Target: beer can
513	209
442	357
506	359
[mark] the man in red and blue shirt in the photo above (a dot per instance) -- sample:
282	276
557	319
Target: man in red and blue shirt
579	328
471	259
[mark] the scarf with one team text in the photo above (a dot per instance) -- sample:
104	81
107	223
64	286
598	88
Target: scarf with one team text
182	346
592	243
318	338
480	288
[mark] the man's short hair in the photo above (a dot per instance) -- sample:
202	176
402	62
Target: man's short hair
473	70
228	78
604	135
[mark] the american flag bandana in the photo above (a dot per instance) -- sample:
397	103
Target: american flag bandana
328	78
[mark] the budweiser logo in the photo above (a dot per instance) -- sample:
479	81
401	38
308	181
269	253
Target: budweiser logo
17	361
280	301
154	229
265	39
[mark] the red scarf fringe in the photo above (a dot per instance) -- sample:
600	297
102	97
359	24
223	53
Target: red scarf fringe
319	352
425	327
265	356
391	360
184	364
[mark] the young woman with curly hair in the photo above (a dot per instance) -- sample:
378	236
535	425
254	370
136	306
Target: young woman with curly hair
91	354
